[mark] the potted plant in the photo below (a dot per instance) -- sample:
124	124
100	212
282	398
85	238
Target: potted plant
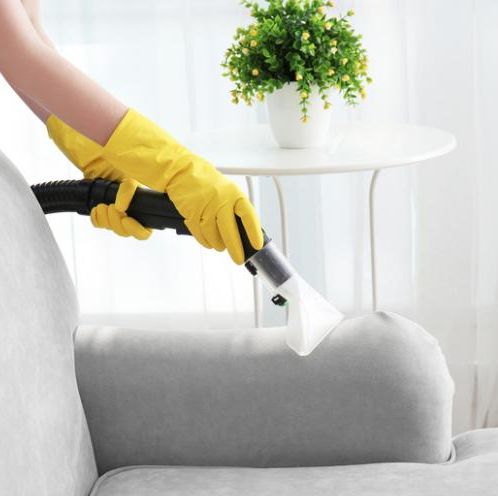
297	53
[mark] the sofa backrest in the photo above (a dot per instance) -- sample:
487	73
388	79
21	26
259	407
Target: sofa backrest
45	447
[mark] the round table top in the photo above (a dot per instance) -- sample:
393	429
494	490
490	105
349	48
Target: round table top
252	151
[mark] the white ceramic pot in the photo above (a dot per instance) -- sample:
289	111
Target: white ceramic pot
284	112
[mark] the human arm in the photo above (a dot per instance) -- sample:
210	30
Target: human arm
32	8
45	77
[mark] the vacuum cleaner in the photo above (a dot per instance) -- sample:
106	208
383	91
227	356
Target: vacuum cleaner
310	317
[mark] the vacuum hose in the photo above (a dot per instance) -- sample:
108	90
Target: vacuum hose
151	208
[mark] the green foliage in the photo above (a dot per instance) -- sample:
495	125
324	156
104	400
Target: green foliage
296	40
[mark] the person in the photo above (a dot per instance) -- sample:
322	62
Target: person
104	138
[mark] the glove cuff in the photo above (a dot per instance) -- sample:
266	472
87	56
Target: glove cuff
140	149
79	149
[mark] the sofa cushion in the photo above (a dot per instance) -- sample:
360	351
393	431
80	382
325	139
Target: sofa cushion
472	472
45	447
376	390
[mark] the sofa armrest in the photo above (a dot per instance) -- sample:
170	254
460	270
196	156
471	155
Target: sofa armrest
376	390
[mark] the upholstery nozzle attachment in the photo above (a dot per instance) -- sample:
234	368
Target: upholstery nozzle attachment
311	317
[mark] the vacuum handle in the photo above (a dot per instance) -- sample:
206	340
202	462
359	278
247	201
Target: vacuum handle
151	208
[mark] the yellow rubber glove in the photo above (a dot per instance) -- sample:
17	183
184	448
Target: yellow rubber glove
114	216
206	199
87	156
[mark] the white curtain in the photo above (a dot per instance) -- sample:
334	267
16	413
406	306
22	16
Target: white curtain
433	62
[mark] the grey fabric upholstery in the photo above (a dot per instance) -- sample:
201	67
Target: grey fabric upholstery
473	472
45	447
376	390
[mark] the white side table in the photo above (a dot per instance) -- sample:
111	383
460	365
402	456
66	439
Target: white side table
354	147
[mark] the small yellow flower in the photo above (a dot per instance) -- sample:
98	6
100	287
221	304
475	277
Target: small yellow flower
328	25
304	94
333	42
345	77
253	32
235	100
235	71
255	72
327	105
299	77
245	51
260	96
350	12
331	72
363	93
333	50
254	43
305	36
304	119
344	61
322	10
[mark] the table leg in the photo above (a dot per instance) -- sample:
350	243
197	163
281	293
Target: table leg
283	216
373	257
256	286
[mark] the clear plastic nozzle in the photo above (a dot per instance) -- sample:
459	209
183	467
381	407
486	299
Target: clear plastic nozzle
311	317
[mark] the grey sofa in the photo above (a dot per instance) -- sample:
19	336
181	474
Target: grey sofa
103	411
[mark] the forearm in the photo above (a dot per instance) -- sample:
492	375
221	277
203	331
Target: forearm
43	76
32	9
58	86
